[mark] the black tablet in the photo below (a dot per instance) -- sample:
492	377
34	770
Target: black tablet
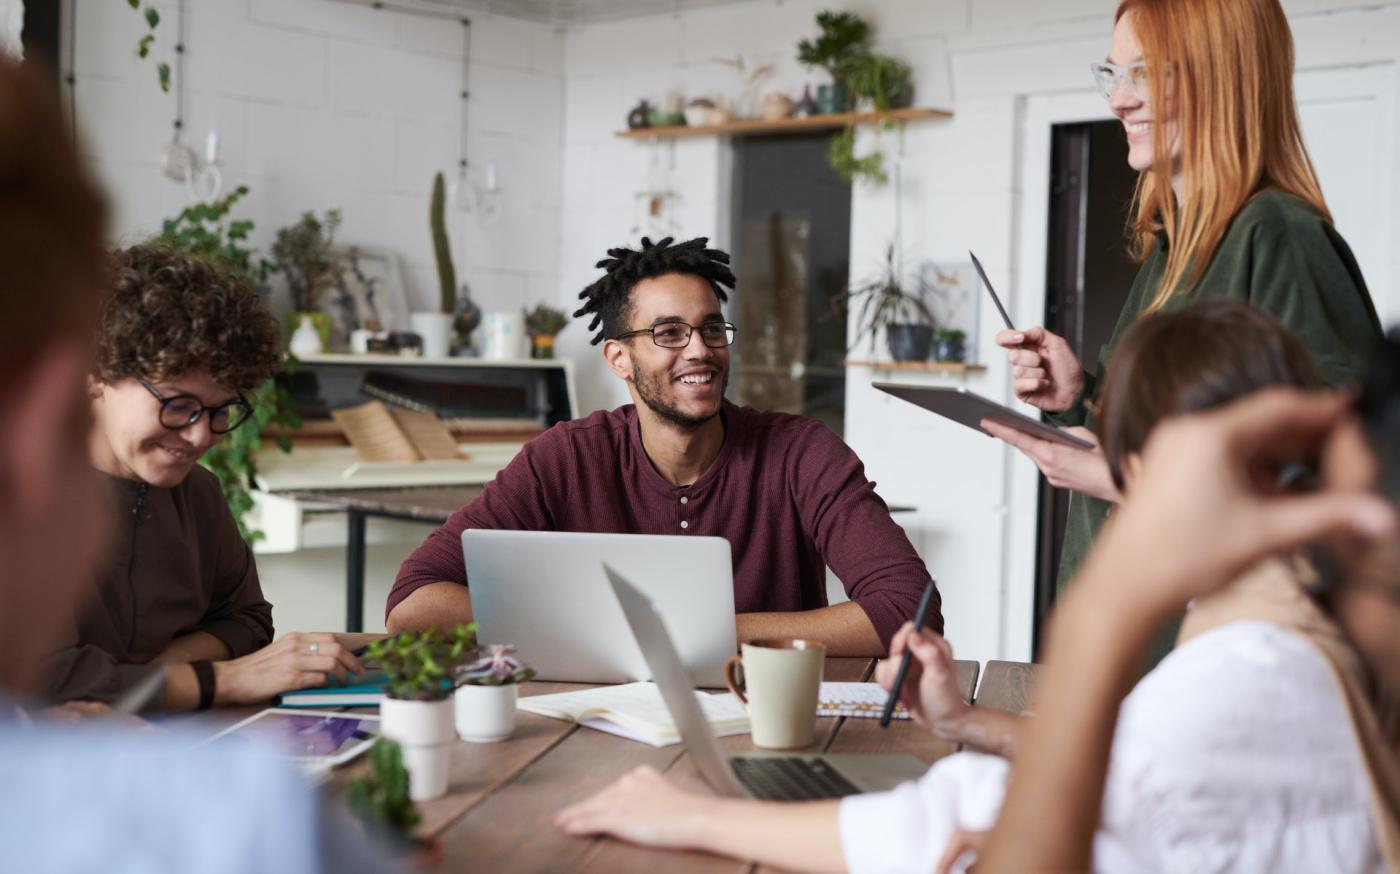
967	408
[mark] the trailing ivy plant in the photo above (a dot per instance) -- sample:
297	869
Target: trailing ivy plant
841	155
206	231
143	45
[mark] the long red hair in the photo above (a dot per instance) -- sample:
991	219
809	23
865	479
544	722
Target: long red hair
1226	69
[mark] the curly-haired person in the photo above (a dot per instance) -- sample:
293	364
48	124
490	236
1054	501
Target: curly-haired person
787	494
181	342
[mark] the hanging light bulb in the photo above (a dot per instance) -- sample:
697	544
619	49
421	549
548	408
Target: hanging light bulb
491	205
461	191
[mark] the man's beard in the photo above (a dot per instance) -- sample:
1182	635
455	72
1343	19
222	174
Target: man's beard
649	389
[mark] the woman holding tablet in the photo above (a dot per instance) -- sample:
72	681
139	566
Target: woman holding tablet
1228	206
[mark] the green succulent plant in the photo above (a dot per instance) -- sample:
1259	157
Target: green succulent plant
380	798
498	666
544	320
420	665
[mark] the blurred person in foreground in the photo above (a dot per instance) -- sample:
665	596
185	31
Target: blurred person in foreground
93	797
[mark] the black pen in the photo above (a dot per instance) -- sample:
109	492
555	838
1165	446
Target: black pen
919	616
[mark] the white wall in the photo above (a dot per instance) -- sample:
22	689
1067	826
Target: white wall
1008	69
326	105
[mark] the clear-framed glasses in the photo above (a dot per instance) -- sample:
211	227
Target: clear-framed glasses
178	412
675	335
1108	76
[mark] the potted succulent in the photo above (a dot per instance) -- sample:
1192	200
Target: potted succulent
543	323
381	800
887	303
844	36
303	254
417	710
952	345
486	694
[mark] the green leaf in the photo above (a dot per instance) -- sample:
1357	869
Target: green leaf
134	4
163	73
143	48
152	17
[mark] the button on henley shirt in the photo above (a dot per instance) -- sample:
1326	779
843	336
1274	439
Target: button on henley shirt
787	493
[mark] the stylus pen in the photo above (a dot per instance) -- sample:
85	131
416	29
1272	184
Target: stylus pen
919	616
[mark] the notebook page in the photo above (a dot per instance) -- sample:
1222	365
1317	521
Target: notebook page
860	700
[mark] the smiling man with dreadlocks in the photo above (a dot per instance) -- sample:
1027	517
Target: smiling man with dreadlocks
786	493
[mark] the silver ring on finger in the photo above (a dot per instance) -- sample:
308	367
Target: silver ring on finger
314	647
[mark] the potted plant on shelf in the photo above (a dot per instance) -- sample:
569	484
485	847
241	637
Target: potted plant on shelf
542	324
886	302
486	694
381	800
951	346
417	707
844	35
302	253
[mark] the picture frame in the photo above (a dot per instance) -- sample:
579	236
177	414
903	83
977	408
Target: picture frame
368	290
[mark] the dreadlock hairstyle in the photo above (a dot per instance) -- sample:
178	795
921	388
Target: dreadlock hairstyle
609	300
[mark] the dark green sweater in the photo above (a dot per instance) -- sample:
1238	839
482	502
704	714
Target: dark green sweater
1279	255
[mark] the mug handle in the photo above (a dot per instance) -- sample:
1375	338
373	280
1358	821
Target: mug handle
734	685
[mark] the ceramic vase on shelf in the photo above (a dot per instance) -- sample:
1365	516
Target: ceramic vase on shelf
503	335
436	331
485	713
426	731
306	340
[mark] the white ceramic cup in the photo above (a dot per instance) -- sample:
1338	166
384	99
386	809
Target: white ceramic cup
436	331
781	679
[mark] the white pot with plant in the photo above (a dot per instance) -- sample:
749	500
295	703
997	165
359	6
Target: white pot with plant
487	690
435	327
417	708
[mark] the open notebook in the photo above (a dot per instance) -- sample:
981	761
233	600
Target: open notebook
636	711
860	700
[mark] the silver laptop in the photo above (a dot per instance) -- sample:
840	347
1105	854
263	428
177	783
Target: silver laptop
770	776
546	593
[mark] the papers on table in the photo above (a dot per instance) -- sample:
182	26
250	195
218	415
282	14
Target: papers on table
636	711
860	700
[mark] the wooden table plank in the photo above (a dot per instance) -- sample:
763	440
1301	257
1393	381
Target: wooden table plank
513	830
1007	686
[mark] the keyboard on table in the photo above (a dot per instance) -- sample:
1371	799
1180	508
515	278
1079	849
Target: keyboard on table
791	778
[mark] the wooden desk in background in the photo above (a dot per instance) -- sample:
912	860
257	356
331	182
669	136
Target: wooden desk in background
431	505
497	815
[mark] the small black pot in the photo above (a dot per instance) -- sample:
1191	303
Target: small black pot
909	342
951	350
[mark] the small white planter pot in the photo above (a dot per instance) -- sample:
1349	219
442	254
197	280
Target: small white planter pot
485	713
425	731
436	331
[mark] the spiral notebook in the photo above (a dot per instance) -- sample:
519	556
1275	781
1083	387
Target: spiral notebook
859	700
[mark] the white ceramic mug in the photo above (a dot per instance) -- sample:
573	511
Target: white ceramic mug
503	335
780	685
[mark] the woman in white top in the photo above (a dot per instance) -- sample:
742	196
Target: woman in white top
1236	752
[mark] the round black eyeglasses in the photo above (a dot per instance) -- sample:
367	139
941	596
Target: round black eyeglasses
676	335
178	412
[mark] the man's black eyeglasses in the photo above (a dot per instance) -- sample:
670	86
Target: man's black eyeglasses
675	335
178	412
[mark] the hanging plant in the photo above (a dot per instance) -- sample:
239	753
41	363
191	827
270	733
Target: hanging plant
143	45
841	155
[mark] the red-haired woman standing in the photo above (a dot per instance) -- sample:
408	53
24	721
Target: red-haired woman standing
1228	205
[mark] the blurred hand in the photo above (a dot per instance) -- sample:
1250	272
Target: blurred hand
1199	515
641	807
1044	370
83	711
930	691
283	665
1066	467
961	843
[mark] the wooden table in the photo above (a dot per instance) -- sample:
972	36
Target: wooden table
428	504
497	815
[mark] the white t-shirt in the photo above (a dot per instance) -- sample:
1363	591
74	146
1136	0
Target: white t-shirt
1234	754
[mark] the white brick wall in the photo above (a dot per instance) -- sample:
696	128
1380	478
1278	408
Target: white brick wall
323	105
976	181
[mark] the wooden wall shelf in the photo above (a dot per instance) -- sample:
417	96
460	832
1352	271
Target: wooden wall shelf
758	126
925	366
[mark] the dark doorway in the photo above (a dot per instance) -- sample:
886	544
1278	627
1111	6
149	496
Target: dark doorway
792	231
1088	275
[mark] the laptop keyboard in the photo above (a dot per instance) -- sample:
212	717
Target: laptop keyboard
791	778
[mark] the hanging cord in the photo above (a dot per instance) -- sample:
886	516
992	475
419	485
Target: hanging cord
465	95
179	68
